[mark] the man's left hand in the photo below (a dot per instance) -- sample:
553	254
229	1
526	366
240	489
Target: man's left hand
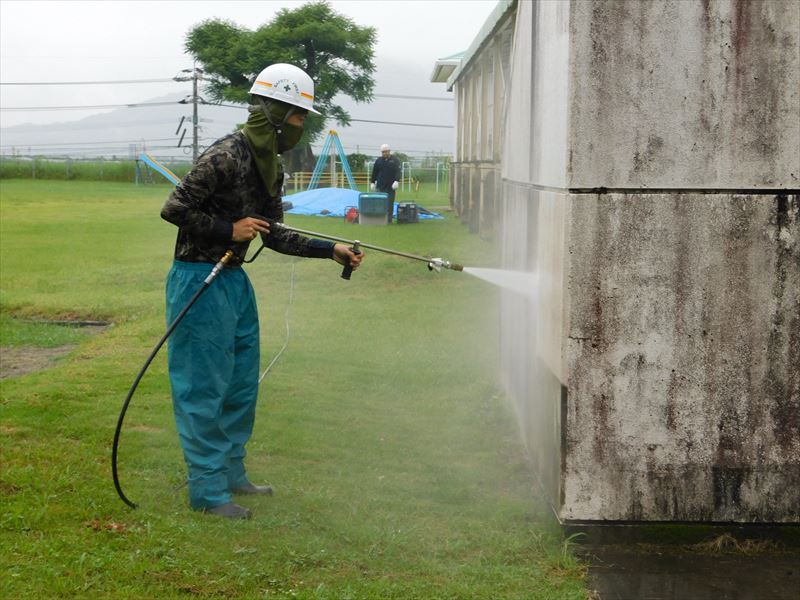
343	255
395	185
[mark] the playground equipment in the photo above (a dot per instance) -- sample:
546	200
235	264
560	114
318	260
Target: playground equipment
332	141
151	162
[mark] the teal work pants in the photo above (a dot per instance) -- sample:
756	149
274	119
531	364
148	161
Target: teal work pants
213	370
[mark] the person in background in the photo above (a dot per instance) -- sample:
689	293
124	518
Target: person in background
386	176
229	198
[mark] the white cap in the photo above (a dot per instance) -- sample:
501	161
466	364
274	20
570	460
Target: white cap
286	83
385	147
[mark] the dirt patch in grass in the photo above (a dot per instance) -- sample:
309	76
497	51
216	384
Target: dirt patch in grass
19	360
145	429
7	489
27	359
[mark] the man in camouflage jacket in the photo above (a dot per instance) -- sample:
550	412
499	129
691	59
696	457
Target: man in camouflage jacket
227	200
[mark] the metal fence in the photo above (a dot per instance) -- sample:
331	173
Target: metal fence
134	171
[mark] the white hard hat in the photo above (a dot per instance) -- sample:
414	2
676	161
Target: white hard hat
385	147
286	83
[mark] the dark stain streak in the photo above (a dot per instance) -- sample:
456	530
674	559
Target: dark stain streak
707	15
727	487
782	211
650	160
740	31
783	387
671	408
601	408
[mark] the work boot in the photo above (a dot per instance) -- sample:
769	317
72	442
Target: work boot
230	511
248	489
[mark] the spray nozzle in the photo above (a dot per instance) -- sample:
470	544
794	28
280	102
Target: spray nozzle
438	264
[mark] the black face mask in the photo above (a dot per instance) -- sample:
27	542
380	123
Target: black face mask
277	113
288	137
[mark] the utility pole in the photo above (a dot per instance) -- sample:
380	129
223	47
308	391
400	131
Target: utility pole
195	99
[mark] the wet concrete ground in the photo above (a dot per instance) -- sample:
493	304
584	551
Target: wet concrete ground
639	572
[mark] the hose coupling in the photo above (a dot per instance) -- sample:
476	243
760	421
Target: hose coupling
219	266
437	264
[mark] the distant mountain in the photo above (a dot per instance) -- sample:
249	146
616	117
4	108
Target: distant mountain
123	132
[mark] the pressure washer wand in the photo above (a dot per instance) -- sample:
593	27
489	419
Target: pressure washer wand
433	263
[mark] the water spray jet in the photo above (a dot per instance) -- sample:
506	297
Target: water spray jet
521	282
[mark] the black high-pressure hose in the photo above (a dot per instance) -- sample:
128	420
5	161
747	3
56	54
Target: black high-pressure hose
114	451
217	268
433	264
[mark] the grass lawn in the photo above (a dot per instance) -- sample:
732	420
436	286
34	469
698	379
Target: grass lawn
396	460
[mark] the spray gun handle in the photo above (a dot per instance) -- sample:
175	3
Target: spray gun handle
348	270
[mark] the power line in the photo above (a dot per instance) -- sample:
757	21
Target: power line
413	97
406	124
88	56
66	145
88	153
359	120
86	82
127	81
67	152
362	150
97	106
82	127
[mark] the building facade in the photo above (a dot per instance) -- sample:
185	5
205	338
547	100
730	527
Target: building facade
646	169
479	81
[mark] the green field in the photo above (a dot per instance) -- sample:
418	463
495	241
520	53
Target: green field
396	460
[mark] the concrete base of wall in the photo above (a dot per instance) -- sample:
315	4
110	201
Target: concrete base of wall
682	348
672	321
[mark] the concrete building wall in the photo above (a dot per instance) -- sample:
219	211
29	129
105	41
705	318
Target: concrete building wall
649	180
674	94
683	355
480	93
684	321
532	232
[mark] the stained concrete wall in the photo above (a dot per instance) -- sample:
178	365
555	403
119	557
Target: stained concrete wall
683	353
655	371
671	94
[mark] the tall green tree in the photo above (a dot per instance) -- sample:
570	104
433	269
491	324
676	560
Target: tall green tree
330	47
357	161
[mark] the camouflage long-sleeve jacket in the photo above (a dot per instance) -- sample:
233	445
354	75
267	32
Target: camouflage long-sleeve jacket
223	187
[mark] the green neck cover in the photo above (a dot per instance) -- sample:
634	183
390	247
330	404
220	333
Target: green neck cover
266	143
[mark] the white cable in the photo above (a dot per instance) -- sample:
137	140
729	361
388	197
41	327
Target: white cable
286	343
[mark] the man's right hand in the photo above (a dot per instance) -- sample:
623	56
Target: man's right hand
247	229
372	187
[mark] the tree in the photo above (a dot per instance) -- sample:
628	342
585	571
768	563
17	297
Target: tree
358	161
331	48
402	157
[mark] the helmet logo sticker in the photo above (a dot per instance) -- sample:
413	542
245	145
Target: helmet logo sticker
287	85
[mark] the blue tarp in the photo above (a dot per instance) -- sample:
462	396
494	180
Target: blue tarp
332	202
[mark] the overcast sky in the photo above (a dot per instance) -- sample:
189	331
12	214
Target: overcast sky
94	41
